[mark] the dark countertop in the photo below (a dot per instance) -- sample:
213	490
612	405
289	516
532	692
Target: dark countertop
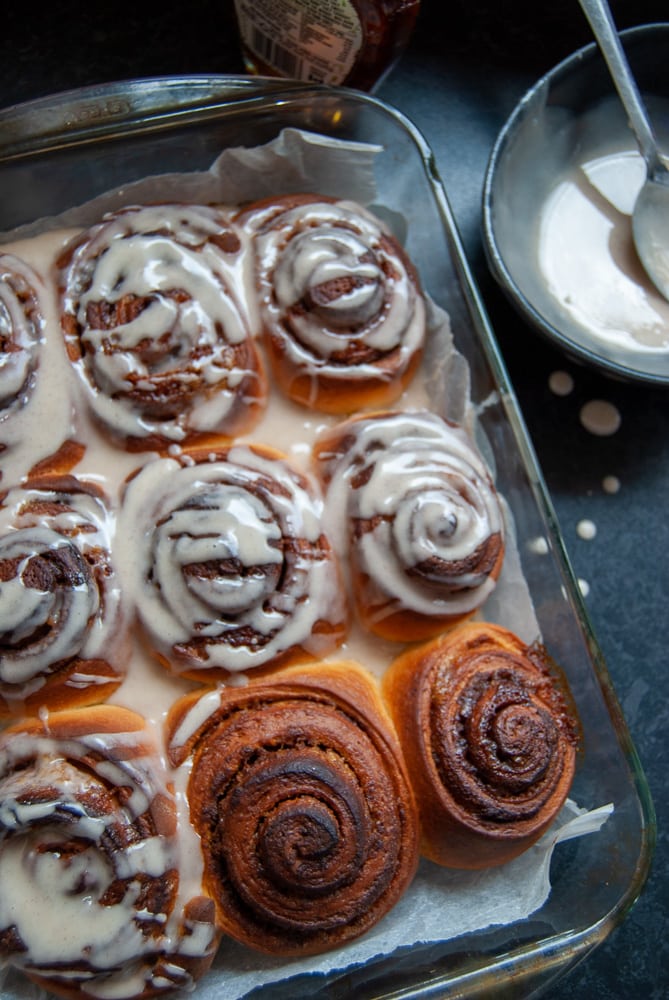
459	80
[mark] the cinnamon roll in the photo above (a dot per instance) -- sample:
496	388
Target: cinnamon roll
156	325
93	902
341	304
21	334
424	532
62	619
232	570
490	738
299	793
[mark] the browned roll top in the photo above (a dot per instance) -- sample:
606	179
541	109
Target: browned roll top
489	739
299	793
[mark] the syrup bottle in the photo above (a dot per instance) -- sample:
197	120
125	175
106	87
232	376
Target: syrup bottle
353	43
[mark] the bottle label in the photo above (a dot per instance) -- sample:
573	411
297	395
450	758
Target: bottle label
314	40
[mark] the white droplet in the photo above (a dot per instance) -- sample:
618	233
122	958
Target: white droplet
584	587
611	484
600	417
538	545
586	529
561	383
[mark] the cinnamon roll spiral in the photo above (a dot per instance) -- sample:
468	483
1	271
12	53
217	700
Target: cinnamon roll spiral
92	902
341	304
156	324
490	739
62	620
300	796
424	527
232	570
21	332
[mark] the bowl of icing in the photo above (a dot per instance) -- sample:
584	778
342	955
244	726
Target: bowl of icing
558	196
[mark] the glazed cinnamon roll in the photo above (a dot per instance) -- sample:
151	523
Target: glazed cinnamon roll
299	792
21	333
490	739
232	570
424	532
341	304
93	902
156	325
62	619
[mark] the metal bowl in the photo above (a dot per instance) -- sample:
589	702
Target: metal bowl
558	195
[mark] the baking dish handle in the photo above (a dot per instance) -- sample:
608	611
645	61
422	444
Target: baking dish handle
101	108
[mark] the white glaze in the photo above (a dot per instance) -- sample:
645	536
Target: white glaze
20	329
600	417
25	611
51	527
300	251
611	484
67	891
586	250
561	383
175	517
148	254
586	529
45	418
429	495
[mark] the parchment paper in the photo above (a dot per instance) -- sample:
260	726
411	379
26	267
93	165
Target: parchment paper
440	904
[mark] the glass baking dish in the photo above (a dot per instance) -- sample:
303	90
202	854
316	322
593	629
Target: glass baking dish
59	152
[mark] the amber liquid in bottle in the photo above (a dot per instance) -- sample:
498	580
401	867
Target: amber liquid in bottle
352	43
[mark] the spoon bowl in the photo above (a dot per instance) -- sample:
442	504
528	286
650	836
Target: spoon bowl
650	226
650	218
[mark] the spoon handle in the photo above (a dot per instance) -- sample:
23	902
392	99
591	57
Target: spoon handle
601	21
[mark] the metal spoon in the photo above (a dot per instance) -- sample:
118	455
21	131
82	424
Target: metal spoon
650	218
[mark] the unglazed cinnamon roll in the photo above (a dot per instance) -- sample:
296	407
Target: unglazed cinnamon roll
21	333
424	532
300	795
93	903
157	327
62	620
342	308
232	570
490	740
